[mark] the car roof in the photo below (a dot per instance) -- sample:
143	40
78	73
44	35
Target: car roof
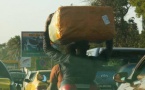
41	71
124	48
97	51
121	48
44	70
129	48
15	70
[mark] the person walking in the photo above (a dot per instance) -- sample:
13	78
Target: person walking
76	68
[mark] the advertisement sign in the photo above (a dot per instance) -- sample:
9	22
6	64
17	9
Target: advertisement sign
42	64
32	44
25	62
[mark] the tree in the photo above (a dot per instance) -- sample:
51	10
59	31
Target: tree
3	51
13	47
123	28
133	34
142	39
139	9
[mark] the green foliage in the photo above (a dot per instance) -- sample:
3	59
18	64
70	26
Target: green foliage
140	7
127	32
11	49
114	62
142	39
3	51
13	46
129	37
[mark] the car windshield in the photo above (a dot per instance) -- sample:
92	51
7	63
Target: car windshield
127	68
128	55
16	75
143	71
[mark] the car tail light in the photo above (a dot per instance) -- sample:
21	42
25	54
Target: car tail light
94	87
73	87
68	87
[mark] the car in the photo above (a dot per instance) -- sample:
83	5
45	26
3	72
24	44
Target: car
34	81
18	77
119	57
104	78
126	68
134	80
125	54
6	81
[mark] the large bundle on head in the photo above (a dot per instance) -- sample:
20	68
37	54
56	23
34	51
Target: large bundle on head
76	23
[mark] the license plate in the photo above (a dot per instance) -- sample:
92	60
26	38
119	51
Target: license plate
105	87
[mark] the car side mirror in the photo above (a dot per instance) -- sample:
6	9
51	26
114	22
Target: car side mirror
120	77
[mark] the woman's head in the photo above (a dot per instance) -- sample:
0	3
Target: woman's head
77	48
71	49
82	47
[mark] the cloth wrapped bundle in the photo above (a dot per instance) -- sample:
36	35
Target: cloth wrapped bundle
75	23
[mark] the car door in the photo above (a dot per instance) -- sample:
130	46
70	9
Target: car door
135	80
6	82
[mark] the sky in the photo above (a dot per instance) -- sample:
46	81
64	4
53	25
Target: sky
29	15
131	13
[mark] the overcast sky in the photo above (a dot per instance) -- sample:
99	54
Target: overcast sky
27	15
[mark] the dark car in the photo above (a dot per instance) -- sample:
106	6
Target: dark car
134	80
120	56
124	54
18	77
6	81
104	77
127	68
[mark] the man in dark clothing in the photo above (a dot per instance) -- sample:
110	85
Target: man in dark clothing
77	68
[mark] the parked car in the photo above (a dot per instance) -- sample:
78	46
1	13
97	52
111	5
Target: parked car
36	80
133	81
6	81
119	57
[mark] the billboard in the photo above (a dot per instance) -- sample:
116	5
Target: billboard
32	43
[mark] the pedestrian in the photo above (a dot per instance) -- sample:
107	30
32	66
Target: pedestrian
76	68
55	78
